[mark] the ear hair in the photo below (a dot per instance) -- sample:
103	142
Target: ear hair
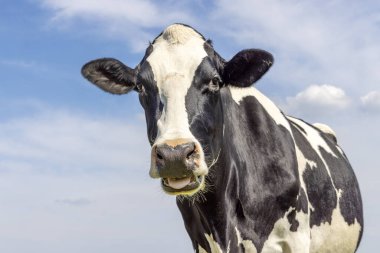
246	67
218	61
110	75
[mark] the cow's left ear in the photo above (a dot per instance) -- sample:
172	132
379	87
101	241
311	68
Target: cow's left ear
246	67
110	75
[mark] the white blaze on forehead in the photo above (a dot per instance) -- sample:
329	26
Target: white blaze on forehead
176	55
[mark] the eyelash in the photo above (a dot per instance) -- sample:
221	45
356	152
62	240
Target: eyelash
214	84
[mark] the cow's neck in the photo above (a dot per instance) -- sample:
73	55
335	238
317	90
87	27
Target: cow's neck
241	187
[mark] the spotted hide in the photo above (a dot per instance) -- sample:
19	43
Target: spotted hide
247	178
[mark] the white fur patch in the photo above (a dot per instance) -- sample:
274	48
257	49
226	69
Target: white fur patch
313	137
201	250
337	237
238	94
248	245
175	57
179	34
325	128
282	240
214	246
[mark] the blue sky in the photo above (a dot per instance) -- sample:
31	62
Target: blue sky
74	160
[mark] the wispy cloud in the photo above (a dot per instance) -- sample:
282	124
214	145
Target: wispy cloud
58	141
25	64
18	63
74	201
129	20
371	100
129	11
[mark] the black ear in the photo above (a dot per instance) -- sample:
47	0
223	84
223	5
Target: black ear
246	67
110	75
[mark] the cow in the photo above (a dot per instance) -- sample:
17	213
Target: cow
247	178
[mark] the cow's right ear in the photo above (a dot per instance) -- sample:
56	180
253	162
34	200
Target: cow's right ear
110	75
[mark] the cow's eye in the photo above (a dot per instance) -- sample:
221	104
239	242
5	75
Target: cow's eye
140	88
214	84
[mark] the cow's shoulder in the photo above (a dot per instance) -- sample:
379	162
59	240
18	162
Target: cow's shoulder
241	96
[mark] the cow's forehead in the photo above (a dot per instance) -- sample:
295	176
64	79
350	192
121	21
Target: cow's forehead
178	51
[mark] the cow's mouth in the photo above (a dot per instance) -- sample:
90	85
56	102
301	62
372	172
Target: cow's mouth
182	186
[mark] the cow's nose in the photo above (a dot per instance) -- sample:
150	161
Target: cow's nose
175	161
179	152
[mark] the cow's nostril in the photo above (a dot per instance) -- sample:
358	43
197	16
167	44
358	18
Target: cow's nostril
159	156
188	156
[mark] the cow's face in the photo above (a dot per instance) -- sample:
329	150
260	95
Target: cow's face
179	82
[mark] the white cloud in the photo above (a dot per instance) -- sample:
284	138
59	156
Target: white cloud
318	99
129	20
371	100
59	141
143	13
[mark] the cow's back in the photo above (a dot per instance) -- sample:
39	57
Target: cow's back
332	194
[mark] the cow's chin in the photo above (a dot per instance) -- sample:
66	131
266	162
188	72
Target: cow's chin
186	186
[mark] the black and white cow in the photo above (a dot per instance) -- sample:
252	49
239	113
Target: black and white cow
247	177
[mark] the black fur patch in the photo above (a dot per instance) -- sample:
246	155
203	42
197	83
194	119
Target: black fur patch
319	187
149	99
344	179
293	221
247	67
204	110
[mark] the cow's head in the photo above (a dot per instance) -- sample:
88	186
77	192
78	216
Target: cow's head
179	82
